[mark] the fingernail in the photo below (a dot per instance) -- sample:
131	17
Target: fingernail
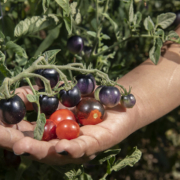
63	153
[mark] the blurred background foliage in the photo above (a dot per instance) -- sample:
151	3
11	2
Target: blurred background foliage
159	141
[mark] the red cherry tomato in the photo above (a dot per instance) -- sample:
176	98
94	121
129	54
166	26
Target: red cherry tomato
49	131
62	114
67	130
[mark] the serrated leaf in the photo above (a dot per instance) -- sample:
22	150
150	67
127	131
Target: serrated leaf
16	49
148	24
32	98
166	19
106	155
50	55
67	21
105	36
155	51
64	4
35	24
45	4
129	160
131	12
39	129
115	26
91	33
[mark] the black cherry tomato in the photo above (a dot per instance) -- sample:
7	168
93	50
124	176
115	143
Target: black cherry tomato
89	111
67	130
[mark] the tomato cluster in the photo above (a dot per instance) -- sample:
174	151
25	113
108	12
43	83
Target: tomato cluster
63	123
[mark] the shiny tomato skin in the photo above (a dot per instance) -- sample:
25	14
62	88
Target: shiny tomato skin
62	114
49	131
89	111
67	130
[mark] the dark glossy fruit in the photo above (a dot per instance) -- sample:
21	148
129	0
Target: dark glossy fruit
48	104
89	111
109	96
12	110
67	130
128	101
75	44
71	97
11	159
177	20
86	83
38	81
62	114
50	74
49	131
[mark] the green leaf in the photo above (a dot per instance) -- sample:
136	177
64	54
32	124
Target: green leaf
85	176
131	12
105	36
16	49
173	36
20	60
2	35
129	160
155	51
45	4
137	18
64	4
148	24
91	33
78	18
115	26
159	32
166	19
17	70
73	8
2	57
106	155
32	98
4	71
34	24
67	21
39	129
50	55
53	34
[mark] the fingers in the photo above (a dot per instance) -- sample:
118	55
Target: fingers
8	136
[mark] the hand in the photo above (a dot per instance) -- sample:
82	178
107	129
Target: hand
92	139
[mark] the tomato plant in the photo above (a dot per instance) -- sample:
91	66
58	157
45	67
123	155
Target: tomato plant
67	130
62	114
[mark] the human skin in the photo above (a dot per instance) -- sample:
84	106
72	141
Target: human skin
156	88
